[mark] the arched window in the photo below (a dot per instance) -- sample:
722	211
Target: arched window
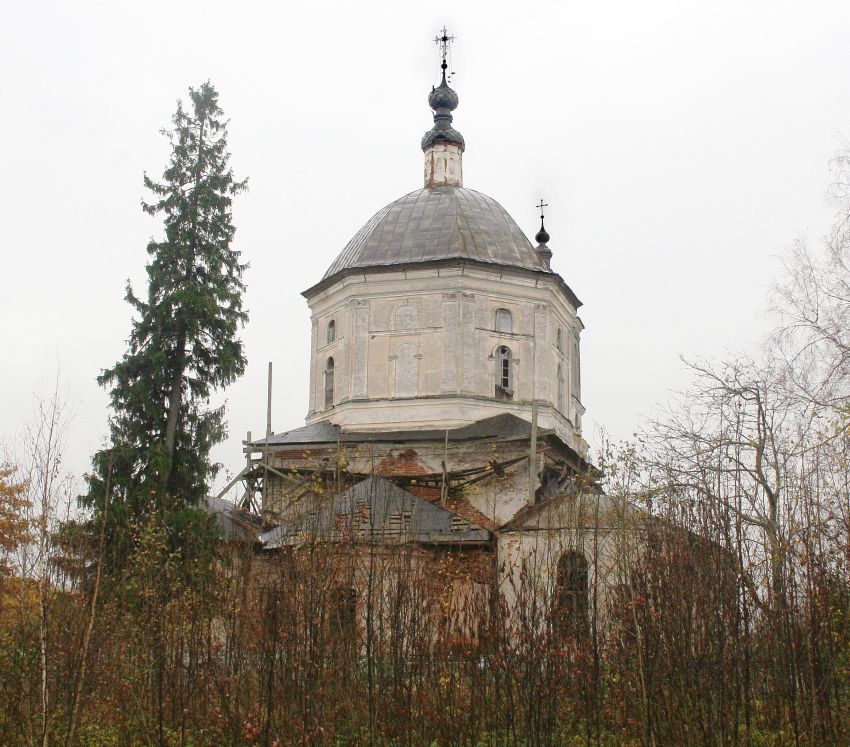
329	383
560	387
569	607
558	342
405	371
331	336
504	321
504	373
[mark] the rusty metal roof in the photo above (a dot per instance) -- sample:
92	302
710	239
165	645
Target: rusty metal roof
435	224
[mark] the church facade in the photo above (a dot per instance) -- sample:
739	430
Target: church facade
440	312
445	398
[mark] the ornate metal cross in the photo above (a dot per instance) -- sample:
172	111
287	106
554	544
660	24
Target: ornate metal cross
444	41
541	206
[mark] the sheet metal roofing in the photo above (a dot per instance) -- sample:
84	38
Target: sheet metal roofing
505	425
439	223
234	524
376	510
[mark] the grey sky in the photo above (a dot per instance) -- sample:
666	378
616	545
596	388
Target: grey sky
682	146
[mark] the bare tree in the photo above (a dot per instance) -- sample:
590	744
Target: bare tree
41	445
812	301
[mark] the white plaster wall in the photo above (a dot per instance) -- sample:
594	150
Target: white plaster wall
339	350
448	314
500	499
443	165
611	549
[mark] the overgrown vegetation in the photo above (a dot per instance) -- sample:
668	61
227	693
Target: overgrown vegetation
717	613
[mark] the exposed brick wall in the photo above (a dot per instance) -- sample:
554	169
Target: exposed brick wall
296	454
401	463
490	502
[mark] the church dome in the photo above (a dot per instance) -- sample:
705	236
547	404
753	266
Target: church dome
443	97
436	224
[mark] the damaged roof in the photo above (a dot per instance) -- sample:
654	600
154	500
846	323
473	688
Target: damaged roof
502	426
588	508
377	511
235	524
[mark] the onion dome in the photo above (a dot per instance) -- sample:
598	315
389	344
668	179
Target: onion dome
443	100
443	97
543	251
542	236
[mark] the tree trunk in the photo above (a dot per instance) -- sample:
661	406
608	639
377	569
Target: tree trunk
74	716
175	399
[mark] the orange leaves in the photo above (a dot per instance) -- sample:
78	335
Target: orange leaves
14	525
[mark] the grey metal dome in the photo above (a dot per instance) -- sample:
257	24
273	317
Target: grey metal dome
443	97
443	100
439	223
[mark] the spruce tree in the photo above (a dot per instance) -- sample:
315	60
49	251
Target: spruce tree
183	343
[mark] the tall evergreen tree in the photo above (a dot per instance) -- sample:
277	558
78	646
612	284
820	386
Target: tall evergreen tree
183	343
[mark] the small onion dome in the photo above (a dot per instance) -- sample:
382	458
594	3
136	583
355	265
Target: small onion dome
543	251
443	97
443	100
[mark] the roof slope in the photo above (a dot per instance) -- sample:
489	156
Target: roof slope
435	224
588	509
505	425
234	523
376	510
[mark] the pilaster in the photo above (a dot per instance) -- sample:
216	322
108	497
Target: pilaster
541	355
360	351
314	344
467	342
450	342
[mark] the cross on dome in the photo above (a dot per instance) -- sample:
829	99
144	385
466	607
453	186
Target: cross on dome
443	101
444	41
542	236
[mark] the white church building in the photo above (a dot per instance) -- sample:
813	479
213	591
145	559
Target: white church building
445	394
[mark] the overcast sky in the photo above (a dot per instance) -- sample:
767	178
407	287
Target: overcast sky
682	147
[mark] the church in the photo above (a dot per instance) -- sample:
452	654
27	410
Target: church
445	396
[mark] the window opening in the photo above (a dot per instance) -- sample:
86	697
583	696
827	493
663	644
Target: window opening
331	336
504	373
571	587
